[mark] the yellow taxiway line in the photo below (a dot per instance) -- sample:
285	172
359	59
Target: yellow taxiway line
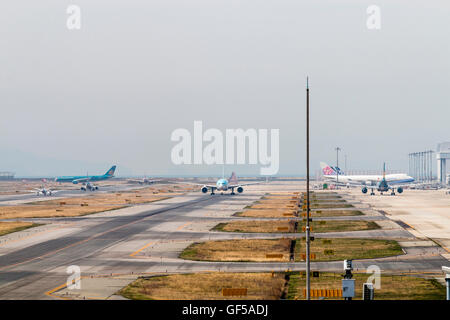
142	248
184	225
50	292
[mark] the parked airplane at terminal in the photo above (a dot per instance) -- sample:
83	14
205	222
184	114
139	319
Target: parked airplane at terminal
374	182
86	180
225	185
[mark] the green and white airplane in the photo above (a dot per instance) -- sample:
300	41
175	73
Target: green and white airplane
86	180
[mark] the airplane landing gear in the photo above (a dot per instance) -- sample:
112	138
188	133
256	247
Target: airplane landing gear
372	193
232	191
393	193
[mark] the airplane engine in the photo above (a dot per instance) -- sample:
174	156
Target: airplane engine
399	189
364	190
240	189
204	189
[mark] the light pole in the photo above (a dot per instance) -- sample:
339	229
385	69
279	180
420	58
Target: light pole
345	162
337	165
308	282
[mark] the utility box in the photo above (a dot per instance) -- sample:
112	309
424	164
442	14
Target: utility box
348	288
368	291
446	270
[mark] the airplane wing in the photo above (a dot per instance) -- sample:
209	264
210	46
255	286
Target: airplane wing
390	185
354	183
80	180
350	184
244	184
195	184
394	185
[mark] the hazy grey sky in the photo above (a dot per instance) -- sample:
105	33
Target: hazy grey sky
112	92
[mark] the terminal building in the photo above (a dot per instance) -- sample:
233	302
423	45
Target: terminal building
442	155
6	175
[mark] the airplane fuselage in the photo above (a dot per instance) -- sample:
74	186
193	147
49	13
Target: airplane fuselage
74	179
83	179
222	185
371	180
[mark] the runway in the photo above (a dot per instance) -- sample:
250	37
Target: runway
147	239
22	198
43	259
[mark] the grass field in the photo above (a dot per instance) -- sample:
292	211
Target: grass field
329	205
271	206
14	226
89	204
341	226
256	226
45	211
288	226
393	287
348	249
283	213
256	250
238	250
137	196
268	286
206	286
285	205
265	213
335	213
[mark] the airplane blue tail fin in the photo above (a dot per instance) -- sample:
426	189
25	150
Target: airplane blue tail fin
111	171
